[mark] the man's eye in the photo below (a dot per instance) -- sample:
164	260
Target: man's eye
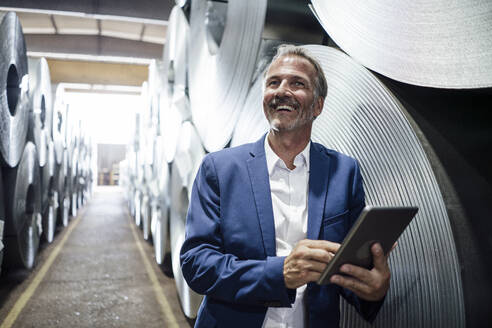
272	83
299	84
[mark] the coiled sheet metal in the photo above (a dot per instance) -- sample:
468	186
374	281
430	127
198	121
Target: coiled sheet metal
14	90
161	201
62	190
363	119
174	102
59	123
226	43
74	178
252	123
2	221
175	59
189	155
23	210
41	117
438	43
49	200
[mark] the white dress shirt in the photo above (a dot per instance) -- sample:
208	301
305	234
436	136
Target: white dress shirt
289	189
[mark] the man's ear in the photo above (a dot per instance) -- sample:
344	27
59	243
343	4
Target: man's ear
320	102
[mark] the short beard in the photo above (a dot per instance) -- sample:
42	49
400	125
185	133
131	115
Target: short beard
299	121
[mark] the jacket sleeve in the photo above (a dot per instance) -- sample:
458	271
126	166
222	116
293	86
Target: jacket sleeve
222	276
367	309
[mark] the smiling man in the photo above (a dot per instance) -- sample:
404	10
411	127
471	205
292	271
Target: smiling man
266	218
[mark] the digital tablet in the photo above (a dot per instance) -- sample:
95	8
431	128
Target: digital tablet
375	224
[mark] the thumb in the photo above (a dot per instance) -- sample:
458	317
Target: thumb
379	260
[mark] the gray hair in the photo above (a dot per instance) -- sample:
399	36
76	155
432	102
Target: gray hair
320	84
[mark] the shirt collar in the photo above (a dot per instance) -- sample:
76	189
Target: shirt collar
274	161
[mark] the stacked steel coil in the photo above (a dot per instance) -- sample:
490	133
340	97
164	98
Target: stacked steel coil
20	168
210	97
33	151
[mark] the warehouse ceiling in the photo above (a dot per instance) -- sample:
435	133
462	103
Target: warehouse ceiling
122	31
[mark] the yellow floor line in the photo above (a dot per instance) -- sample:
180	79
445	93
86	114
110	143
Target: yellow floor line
27	294
159	293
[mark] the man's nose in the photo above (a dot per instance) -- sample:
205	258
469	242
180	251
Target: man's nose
283	89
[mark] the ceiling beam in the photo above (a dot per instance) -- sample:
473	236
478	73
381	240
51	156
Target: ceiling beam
92	72
143	9
95	45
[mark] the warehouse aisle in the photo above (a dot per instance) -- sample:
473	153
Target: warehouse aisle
100	277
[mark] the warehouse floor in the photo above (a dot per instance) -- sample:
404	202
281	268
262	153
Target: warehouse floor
99	272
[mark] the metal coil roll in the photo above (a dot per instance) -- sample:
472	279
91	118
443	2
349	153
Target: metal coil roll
74	178
49	197
2	221
62	190
252	123
189	155
174	102
131	156
175	58
431	43
225	51
59	123
363	119
161	201
154	90
41	116
14	90
23	210
145	213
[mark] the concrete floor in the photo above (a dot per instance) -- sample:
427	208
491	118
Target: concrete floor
98	278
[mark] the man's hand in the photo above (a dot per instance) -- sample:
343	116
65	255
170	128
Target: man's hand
370	285
307	261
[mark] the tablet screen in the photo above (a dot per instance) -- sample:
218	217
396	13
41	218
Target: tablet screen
375	224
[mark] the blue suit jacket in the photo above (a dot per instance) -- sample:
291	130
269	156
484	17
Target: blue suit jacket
229	251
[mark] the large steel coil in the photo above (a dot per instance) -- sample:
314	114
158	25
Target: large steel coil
171	126
252	123
184	168
62	190
131	156
145	210
174	102
154	86
363	119
137	201
227	48
59	123
438	43
49	196
148	168
74	180
14	90
175	60
457	126
2	221
41	117
23	210
160	201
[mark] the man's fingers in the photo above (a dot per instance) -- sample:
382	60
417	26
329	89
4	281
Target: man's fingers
321	244
379	259
351	284
314	254
357	272
314	266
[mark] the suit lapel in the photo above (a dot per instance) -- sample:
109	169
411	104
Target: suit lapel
318	183
260	184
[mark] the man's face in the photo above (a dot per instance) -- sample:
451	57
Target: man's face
288	98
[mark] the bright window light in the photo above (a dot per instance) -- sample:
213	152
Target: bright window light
107	118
